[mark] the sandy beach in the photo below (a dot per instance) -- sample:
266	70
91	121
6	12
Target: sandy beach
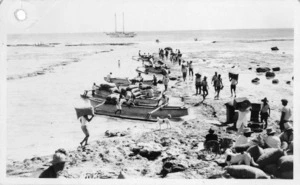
41	117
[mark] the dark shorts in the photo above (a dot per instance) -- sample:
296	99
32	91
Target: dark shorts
233	87
184	74
264	115
218	88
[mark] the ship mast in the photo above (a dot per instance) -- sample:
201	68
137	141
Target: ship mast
123	22
115	22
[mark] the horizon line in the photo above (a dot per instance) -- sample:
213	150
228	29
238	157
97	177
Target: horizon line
155	31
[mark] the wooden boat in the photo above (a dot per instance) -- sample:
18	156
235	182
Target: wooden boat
119	81
139	112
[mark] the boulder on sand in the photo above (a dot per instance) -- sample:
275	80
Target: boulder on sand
255	80
270	74
274	48
275	81
262	69
276	68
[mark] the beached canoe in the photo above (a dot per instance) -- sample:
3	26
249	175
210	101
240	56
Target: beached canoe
138	111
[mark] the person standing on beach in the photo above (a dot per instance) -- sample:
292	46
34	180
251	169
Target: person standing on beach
84	127
205	88
242	121
119	63
265	112
191	71
164	100
198	83
219	86
213	81
120	101
165	81
184	71
234	82
286	114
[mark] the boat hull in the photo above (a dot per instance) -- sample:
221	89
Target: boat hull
140	112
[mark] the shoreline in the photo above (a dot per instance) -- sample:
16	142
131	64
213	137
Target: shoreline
186	130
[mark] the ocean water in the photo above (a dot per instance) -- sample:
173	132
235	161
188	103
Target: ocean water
40	108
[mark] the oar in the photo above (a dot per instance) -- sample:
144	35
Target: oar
150	113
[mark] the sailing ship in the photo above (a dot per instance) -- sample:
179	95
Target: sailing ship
118	34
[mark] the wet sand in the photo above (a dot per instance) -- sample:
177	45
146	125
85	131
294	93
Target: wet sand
61	89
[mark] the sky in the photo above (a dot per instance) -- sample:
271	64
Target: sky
64	16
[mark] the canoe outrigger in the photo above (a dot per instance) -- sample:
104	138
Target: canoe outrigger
138	112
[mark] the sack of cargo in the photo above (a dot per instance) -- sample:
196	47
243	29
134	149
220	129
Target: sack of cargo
241	148
144	87
135	90
286	163
271	169
255	152
136	94
246	172
112	99
113	89
287	175
130	87
233	76
84	111
269	156
107	85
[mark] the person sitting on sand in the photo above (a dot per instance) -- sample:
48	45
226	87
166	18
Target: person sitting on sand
204	87
272	141
210	137
165	81
286	114
58	165
265	112
219	86
234	82
164	100
120	101
198	83
108	78
139	78
84	127
129	98
245	138
287	136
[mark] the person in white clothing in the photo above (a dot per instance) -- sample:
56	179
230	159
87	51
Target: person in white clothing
120	101
245	138
242	121
108	78
84	127
271	140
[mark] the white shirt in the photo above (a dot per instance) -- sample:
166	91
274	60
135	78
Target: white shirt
273	141
242	119
83	121
241	140
108	77
119	104
288	113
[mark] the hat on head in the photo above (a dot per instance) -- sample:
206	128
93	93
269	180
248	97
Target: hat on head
270	131
287	126
59	157
265	100
247	130
211	130
284	100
